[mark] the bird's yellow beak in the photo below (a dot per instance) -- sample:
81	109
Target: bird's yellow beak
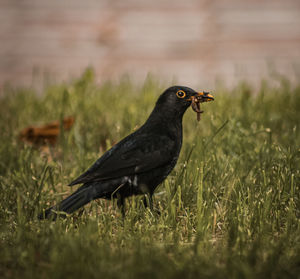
204	97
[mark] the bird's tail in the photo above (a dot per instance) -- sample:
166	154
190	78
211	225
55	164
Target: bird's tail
78	199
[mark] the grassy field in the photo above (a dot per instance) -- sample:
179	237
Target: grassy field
230	209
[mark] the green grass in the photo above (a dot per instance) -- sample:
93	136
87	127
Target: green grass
230	209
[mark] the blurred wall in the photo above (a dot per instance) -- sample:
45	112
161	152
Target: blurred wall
195	42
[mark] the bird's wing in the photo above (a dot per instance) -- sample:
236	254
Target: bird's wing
131	156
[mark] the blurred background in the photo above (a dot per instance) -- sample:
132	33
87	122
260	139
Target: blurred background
193	42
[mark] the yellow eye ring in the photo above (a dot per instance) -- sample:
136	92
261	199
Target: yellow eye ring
180	94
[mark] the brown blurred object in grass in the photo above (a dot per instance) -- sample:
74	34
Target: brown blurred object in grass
46	134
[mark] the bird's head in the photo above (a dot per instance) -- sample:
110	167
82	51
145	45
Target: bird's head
177	99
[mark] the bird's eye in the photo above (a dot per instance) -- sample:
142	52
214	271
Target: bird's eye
180	94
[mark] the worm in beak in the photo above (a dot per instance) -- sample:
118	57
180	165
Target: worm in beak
200	97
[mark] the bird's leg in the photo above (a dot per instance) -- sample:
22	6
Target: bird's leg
121	203
120	199
148	201
80	212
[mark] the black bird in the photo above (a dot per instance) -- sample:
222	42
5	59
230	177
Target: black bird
139	162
